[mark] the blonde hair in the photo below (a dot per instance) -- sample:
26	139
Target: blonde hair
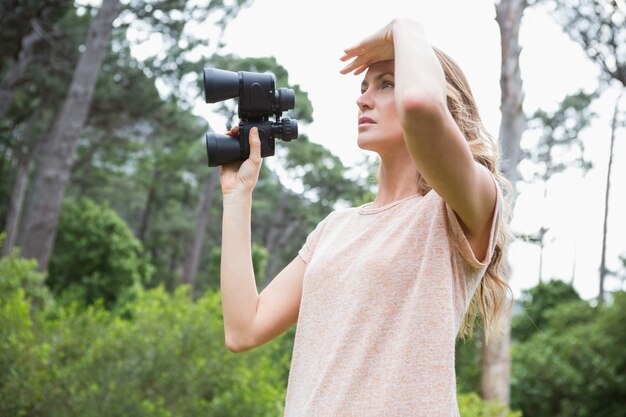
490	297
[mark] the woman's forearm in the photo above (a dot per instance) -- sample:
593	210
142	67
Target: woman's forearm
237	281
419	78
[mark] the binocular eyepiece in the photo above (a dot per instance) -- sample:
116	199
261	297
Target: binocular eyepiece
258	101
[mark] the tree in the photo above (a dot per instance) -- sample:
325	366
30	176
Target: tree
60	145
96	256
53	172
574	365
495	357
599	26
44	33
24	26
536	302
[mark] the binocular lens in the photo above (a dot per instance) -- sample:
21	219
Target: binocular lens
222	149
220	85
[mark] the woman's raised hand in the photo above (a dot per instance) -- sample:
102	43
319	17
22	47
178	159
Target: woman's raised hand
240	177
375	48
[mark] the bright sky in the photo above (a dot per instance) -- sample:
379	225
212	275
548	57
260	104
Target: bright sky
307	38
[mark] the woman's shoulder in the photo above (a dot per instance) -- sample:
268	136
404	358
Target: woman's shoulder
336	214
342	213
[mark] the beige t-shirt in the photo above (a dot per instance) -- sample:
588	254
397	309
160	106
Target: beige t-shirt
383	296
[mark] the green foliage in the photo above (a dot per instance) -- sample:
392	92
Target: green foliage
536	303
576	365
96	255
18	274
164	357
168	359
15	19
471	405
21	359
467	365
559	146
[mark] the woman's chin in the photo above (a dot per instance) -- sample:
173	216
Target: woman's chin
367	144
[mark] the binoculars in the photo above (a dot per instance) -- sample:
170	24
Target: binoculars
258	101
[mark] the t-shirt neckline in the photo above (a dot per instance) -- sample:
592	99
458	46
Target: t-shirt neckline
367	209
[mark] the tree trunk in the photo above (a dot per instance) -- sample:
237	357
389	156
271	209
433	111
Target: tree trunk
495	365
202	214
15	205
495	359
24	154
147	209
274	227
603	269
509	15
18	67
274	264
58	153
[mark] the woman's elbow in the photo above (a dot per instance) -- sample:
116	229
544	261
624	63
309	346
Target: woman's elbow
418	107
235	345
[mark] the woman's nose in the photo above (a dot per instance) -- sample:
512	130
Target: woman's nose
364	101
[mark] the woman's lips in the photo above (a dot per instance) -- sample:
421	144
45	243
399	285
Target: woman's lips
365	120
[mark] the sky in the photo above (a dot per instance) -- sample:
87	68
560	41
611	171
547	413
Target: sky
308	37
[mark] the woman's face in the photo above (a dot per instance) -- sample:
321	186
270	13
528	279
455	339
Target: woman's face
379	126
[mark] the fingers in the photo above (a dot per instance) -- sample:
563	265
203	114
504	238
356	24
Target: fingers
353	51
234	131
358	65
253	140
360	69
255	145
232	167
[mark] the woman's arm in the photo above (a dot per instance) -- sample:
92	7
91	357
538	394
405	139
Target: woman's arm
433	138
250	319
237	282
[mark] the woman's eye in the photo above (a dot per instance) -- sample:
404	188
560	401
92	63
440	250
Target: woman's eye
387	84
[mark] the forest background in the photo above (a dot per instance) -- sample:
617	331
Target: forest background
109	276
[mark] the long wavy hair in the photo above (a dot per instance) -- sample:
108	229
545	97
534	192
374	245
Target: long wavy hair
492	295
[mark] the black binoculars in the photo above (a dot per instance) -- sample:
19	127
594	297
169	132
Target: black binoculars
258	101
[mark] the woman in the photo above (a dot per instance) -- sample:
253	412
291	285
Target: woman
380	292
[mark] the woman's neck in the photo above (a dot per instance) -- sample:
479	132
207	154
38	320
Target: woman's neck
398	178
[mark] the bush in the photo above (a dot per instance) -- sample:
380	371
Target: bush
471	405
96	255
536	302
576	365
22	359
467	363
165	356
168	358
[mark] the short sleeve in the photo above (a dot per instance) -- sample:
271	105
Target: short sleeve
460	240
307	250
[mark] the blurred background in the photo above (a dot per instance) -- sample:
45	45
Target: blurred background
111	219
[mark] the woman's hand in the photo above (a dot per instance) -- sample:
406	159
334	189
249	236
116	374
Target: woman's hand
375	48
240	177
